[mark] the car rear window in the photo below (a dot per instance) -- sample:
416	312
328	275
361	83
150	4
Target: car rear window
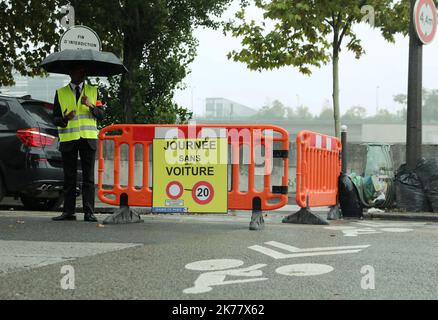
3	108
41	112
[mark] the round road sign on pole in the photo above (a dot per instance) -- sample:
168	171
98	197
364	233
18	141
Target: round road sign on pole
203	192
80	37
425	20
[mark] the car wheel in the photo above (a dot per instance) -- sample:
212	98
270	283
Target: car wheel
40	204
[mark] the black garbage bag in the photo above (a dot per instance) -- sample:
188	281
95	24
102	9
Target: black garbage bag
349	200
425	169
410	195
432	192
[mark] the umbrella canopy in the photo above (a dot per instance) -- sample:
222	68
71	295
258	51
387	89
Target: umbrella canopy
96	63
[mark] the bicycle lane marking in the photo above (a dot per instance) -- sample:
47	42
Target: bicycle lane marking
222	272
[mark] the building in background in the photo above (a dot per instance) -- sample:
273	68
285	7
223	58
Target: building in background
39	88
222	108
358	131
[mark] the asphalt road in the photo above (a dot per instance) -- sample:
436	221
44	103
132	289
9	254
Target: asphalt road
216	257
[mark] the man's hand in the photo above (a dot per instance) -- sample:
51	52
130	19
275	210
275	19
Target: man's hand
85	100
70	115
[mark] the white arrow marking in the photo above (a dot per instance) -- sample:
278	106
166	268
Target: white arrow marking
297	252
295	249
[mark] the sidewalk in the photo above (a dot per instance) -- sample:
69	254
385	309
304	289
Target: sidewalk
401	216
321	211
103	208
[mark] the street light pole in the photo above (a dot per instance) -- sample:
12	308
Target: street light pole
415	86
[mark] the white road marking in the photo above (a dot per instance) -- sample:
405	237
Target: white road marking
304	270
390	224
22	255
375	228
295	249
396	230
298	253
206	281
213	265
353	231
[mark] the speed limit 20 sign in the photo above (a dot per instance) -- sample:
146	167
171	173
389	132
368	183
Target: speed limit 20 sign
202	192
425	20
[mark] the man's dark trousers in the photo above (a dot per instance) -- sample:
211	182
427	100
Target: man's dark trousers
86	148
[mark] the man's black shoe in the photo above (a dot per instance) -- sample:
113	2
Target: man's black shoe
65	217
90	218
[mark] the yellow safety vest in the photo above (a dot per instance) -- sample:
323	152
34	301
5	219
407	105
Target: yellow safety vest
83	125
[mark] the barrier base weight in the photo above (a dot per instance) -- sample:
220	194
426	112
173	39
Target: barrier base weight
123	215
304	216
334	213
257	221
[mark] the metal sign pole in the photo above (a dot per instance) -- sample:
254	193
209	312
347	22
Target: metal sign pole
415	87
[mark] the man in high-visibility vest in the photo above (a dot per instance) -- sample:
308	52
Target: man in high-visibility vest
75	114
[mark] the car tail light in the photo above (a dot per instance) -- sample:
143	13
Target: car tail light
49	106
34	138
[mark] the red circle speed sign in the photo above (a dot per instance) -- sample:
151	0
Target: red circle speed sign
425	18
174	190
203	192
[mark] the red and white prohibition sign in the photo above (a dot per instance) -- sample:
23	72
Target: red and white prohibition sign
425	18
174	190
203	192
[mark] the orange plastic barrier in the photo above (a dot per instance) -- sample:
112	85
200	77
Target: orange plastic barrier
253	136
318	169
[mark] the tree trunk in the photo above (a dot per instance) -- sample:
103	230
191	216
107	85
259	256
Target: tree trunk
133	44
131	59
336	90
125	98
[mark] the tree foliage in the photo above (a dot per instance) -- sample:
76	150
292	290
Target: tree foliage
154	38
277	110
30	31
303	113
384	115
311	33
326	114
429	104
355	113
274	111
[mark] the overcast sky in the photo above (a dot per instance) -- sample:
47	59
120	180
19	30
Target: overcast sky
374	79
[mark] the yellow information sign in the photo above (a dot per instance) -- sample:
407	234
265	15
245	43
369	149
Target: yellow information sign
190	175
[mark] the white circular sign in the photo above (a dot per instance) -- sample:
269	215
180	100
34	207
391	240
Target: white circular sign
425	18
80	38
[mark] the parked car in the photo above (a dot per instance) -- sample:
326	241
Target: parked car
30	162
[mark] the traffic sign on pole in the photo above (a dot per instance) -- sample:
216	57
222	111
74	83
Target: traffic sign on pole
79	38
425	20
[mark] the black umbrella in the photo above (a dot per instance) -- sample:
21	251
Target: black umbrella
96	63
